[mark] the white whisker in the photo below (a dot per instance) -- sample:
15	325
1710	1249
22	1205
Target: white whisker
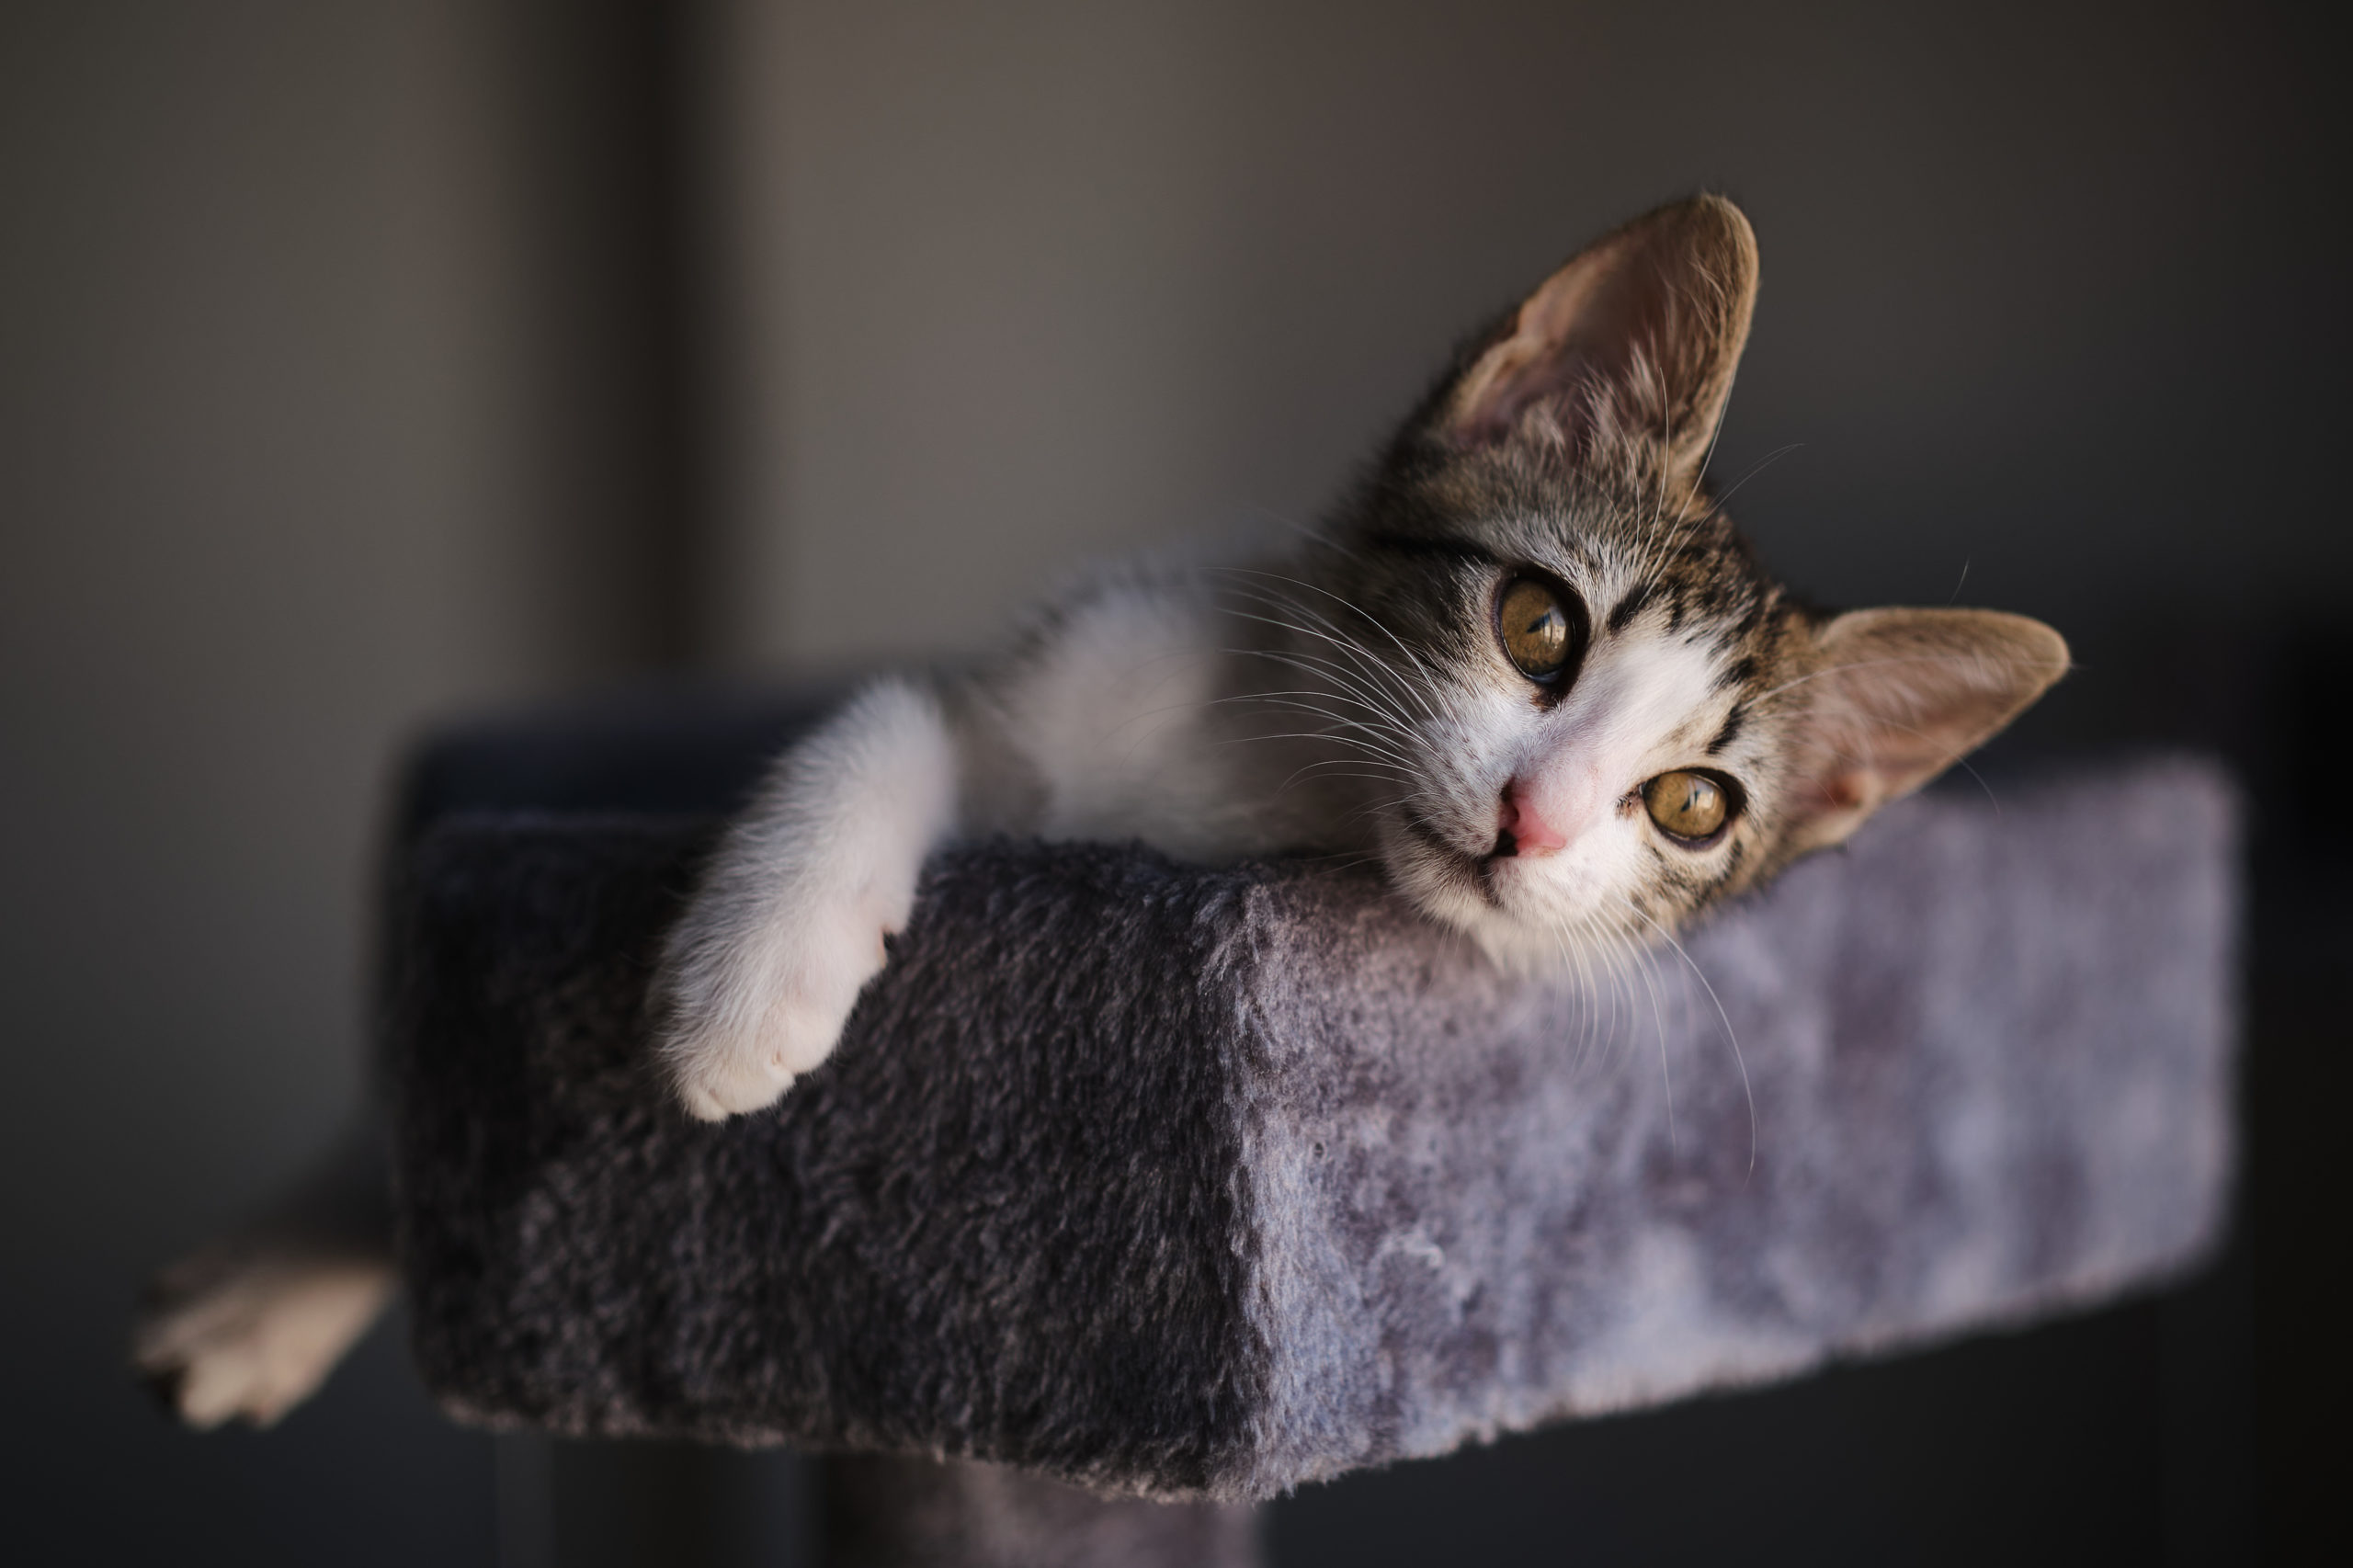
1725	1018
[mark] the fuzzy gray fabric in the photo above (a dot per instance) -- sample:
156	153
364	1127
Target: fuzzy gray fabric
1191	1183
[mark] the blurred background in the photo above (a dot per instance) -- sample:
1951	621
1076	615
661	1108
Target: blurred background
368	363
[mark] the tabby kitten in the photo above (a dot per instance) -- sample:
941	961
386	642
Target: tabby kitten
1529	666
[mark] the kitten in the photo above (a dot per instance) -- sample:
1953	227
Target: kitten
1527	666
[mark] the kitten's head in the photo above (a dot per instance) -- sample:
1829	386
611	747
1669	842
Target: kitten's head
1596	714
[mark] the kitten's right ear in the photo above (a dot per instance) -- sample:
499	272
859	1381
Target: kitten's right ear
1639	335
1898	696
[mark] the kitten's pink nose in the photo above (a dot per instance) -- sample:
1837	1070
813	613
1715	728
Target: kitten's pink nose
1519	830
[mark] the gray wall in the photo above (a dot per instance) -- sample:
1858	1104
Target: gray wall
2049	290
290	463
368	362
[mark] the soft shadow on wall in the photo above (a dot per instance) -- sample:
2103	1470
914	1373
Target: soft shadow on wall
368	365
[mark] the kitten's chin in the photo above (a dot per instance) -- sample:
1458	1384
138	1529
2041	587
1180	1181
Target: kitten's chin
1523	921
1485	901
1521	945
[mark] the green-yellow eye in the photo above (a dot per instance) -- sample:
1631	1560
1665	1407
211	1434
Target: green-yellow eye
1687	805
1534	625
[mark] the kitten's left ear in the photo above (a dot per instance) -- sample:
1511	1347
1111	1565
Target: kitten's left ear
1639	333
1899	696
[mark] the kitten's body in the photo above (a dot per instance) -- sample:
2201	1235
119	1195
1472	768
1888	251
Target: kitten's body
1527	666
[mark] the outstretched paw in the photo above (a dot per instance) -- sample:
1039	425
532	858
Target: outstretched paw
760	975
247	1333
737	1038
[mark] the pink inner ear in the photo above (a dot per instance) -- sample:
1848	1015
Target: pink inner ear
1572	339
1843	790
1568	380
1905	694
1640	331
1893	740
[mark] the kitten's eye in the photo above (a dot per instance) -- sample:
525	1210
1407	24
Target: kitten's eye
1687	805
1535	627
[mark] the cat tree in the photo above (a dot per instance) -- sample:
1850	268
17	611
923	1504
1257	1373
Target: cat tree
1197	1184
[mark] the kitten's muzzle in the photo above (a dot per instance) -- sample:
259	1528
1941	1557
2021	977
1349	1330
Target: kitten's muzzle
1521	828
1473	870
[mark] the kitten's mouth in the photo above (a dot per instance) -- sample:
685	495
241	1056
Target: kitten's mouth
1474	873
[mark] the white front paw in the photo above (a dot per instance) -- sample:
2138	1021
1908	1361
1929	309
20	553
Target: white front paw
788	927
741	1029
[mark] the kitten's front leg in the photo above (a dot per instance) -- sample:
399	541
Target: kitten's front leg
788	926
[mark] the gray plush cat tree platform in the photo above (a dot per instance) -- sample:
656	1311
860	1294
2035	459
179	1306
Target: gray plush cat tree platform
1198	1184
